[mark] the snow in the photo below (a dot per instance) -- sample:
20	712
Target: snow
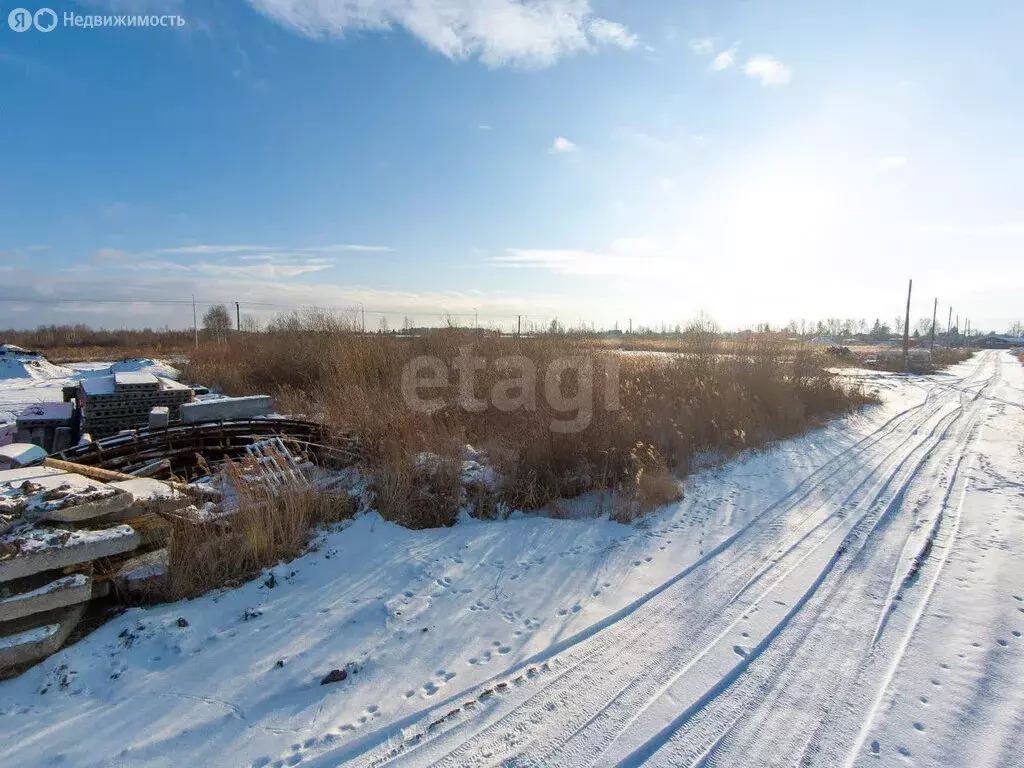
146	489
146	365
48	492
135	379
20	454
31	380
849	597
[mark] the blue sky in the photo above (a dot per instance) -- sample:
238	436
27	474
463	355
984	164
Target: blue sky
764	160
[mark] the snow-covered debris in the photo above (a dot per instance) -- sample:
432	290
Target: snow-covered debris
58	496
146	365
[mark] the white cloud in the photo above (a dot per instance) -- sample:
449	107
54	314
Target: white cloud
563	146
892	163
346	247
205	249
625	256
724	60
186	250
485	127
768	69
702	46
533	33
612	33
666	186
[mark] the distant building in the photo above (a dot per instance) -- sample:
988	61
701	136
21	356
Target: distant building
998	341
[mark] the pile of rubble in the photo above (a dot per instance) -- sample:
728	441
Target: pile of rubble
69	535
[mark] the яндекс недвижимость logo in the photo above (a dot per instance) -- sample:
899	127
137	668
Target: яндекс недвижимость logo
22	19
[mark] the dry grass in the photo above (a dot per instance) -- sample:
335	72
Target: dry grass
77	343
271	524
672	407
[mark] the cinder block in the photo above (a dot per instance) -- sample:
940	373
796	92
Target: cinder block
159	417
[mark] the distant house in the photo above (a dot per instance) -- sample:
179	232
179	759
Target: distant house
998	341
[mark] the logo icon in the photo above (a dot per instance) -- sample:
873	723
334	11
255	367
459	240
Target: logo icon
20	20
45	19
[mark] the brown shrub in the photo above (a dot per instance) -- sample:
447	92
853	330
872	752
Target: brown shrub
271	523
678	404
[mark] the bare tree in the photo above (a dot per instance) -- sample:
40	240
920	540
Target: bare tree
1017	328
217	321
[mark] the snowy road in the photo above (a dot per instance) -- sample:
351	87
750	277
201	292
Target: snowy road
807	636
854	597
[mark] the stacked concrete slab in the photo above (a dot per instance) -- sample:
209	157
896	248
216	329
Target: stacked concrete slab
66	539
46	424
125	400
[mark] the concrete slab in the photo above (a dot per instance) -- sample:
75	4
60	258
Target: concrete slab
65	591
31	645
21	474
62	498
225	409
24	552
143	575
135	379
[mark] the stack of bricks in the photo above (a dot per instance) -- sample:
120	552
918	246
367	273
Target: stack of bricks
124	400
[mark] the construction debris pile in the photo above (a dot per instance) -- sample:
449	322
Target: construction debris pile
69	535
74	535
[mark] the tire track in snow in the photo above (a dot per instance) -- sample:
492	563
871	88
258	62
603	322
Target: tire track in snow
788	681
632	627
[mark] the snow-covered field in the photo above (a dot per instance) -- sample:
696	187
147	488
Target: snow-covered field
25	381
851	597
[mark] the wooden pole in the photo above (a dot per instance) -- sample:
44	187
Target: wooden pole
949	329
906	329
935	313
238	317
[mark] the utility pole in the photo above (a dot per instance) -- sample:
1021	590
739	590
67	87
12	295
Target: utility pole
631	326
906	330
949	329
958	329
935	313
519	326
195	320
362	310
238	317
